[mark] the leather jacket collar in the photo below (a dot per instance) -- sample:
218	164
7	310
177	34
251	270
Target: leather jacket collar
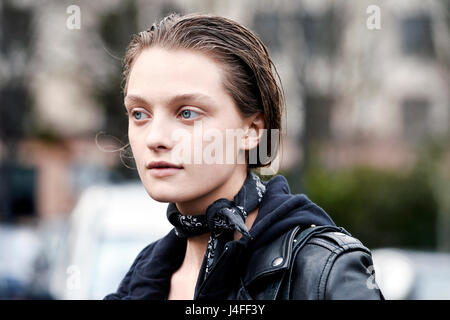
271	258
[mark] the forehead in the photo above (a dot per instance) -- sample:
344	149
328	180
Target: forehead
158	73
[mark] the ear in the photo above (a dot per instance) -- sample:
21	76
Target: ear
255	126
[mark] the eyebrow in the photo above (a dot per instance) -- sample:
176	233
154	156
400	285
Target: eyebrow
197	97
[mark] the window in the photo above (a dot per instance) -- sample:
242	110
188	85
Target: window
321	33
17	191
15	29
317	117
417	36
267	26
415	119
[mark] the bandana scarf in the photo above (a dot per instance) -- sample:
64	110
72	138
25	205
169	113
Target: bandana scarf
222	218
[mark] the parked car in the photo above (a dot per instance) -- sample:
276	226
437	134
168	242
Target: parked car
108	227
19	250
404	274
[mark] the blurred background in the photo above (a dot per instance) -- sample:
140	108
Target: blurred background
368	135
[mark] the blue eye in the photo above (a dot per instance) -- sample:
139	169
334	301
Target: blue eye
138	115
187	113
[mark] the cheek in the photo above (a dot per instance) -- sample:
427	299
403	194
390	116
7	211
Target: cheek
135	144
204	178
232	143
222	146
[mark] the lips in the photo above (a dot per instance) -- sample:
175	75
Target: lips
163	165
160	169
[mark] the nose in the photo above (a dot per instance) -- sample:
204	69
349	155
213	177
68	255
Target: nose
159	134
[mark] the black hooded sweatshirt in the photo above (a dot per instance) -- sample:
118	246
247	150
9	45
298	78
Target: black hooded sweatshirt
279	211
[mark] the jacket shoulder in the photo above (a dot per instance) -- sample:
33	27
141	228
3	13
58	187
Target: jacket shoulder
336	240
332	265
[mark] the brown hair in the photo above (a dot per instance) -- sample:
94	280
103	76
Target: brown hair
249	76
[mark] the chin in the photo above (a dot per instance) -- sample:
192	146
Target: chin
162	194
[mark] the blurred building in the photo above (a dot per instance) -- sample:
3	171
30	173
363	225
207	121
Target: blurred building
366	95
49	111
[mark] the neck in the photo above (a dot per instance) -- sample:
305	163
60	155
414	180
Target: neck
195	251
196	246
226	190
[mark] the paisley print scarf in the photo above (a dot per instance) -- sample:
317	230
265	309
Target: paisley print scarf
222	218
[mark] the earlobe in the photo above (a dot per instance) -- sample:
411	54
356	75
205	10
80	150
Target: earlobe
254	132
250	139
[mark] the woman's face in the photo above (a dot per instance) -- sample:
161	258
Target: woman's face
179	112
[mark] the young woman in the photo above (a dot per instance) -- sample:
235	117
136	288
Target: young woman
188	82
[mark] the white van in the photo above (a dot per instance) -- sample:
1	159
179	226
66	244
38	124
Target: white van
107	229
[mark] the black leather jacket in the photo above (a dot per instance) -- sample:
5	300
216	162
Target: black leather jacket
281	262
323	262
330	264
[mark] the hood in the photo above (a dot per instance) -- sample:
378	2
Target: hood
281	211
